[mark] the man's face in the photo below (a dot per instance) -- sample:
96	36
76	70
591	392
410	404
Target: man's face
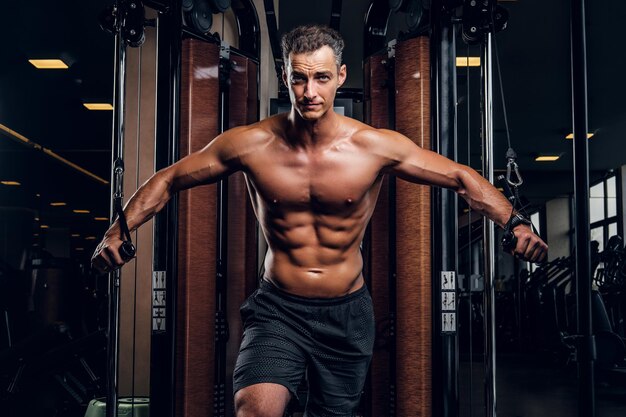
313	79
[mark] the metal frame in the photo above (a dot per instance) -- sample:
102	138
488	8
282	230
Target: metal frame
445	207
163	344
489	232
586	344
117	178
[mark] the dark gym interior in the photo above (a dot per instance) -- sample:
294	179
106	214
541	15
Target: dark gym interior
195	68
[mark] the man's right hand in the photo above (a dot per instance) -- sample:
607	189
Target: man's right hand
106	258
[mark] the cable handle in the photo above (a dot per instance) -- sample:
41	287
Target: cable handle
127	250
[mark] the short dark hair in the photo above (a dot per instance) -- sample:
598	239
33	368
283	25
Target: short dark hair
310	38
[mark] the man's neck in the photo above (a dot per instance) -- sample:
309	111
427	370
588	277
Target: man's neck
315	133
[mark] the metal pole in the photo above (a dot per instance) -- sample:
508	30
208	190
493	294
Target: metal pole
489	235
586	345
116	179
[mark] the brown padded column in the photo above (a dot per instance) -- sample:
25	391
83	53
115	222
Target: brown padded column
377	264
413	237
197	236
198	229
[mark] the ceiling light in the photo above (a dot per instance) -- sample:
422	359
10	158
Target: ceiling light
75	235
35	234
58	204
48	63
36	219
80	248
44	226
547	158
10	183
81	211
101	219
571	136
464	61
98	106
90	238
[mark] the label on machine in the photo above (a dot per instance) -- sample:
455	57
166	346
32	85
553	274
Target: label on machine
448	302
158	301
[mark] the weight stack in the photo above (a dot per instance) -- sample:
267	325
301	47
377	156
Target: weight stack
413	237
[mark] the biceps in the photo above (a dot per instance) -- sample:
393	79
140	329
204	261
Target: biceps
427	167
197	169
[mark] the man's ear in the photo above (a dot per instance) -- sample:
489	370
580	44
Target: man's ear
343	74
285	77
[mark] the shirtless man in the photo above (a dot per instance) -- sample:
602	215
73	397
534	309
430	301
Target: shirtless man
313	177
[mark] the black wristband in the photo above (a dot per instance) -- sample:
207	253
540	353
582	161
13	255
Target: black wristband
508	238
516	220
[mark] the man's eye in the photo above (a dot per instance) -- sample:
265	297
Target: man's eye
297	80
324	78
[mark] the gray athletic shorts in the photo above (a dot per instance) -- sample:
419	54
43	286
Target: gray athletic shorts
331	339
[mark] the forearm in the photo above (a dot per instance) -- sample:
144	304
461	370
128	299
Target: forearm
483	197
147	201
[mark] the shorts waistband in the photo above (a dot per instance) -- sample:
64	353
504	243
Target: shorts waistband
318	301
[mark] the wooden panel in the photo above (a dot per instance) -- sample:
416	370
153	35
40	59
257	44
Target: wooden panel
377	264
197	236
413	239
136	283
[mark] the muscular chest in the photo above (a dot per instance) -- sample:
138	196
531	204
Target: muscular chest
323	181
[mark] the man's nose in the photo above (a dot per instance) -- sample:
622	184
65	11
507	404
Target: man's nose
310	92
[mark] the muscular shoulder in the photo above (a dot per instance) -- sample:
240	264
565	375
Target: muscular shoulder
384	143
247	140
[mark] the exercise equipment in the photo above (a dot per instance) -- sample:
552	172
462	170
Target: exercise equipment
400	382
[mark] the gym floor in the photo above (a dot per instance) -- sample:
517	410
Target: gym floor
529	387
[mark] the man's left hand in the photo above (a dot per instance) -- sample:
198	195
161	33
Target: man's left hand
529	246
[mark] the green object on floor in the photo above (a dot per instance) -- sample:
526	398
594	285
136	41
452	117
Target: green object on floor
127	407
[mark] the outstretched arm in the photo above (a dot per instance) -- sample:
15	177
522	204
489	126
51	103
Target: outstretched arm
412	163
218	159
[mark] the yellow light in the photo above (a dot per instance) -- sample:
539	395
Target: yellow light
101	219
98	106
81	211
44	226
10	183
464	61
571	136
547	158
48	63
58	204
90	238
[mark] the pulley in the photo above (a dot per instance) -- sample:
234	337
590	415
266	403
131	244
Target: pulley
127	18
479	16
